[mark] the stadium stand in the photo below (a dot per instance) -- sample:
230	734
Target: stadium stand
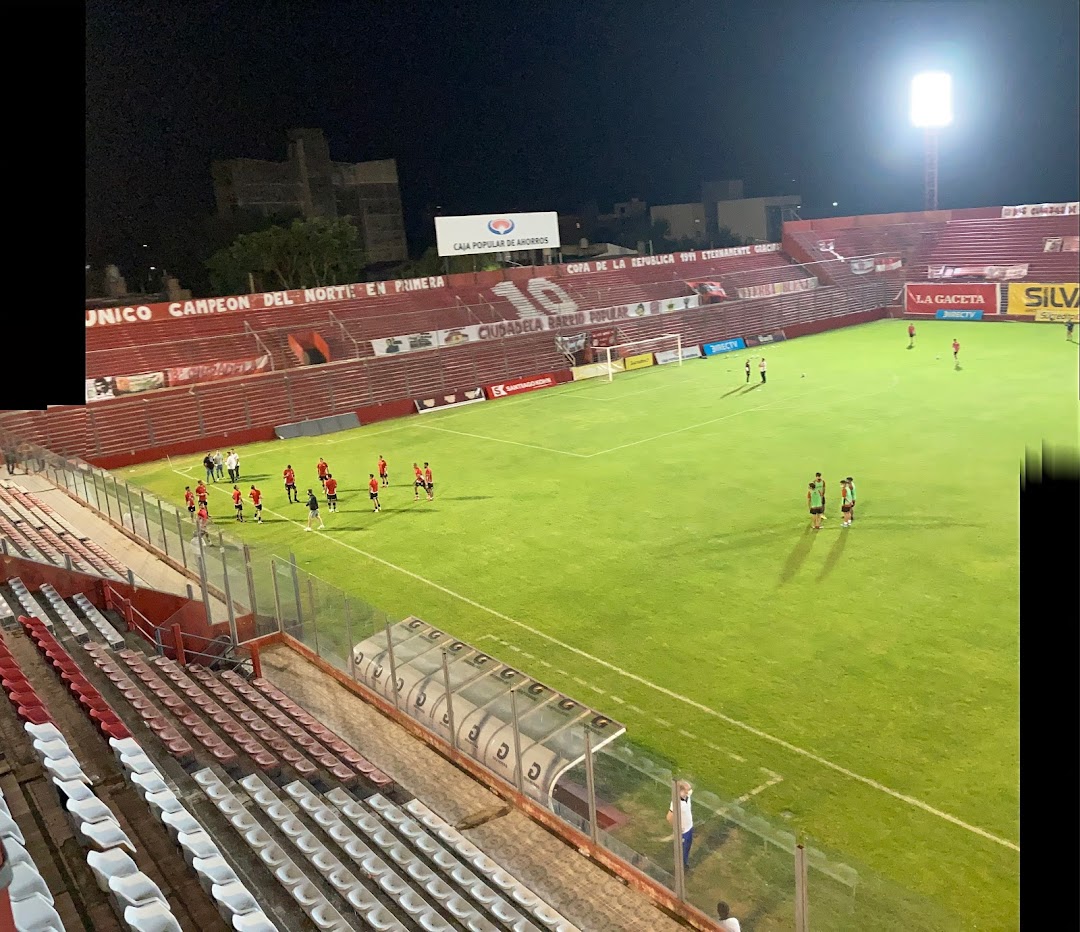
261	816
1009	242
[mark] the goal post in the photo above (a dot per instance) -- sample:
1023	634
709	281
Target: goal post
668	342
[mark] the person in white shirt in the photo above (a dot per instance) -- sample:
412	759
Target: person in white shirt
686	820
232	463
727	922
761	369
219	466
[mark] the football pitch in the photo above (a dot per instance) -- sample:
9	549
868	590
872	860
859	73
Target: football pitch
644	546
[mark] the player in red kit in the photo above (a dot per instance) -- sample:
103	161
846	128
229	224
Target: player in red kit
324	470
373	491
238	502
200	494
330	487
383	477
956	352
429	483
911	336
418	481
256	499
289	474
189	500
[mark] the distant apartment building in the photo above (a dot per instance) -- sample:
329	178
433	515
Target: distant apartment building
308	183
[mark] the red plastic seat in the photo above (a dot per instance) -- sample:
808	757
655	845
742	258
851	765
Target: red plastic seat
34	714
344	775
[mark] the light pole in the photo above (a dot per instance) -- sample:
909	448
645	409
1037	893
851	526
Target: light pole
931	111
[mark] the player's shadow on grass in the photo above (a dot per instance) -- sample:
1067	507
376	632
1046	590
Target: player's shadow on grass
750	388
834	555
740	388
798	555
465	498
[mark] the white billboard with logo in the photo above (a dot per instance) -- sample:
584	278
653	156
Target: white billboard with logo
465	236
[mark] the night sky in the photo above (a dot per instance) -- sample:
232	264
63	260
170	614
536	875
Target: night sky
513	106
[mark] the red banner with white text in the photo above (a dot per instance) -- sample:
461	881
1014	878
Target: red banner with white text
519	386
929	299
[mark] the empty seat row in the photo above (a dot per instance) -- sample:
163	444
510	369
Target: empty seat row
295	882
31	899
30	605
70	620
234	901
112	637
370	823
466	849
84	692
281	737
315	729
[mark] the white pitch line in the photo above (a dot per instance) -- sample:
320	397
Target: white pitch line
671	694
772	781
516	443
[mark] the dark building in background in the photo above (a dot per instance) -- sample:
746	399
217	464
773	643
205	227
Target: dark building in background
310	185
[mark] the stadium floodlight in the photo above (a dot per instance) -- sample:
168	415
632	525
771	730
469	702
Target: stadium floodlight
931	110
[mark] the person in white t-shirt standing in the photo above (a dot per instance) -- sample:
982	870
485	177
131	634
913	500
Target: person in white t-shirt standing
686	820
761	369
727	922
232	463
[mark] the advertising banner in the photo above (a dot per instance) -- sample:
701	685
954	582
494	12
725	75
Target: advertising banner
520	386
789	287
523	326
861	266
959	315
672	258
603	337
117	386
763	339
990	272
640	361
669	356
453	400
479	233
571	345
972	296
595	369
723	346
1041	210
210	372
1061	244
888	263
1046	302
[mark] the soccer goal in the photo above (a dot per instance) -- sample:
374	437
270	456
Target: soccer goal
637	354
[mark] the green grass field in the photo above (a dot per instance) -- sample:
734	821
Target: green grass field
658	524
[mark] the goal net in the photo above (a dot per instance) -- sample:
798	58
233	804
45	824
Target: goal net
638	354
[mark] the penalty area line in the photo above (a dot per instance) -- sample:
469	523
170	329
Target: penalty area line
516	443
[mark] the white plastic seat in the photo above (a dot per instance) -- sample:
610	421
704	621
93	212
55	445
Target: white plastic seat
431	921
400	855
66	768
73	789
125	747
9	828
163	801
341	879
88	809
257	921
135	890
339	797
324	816
419	871
547	915
341	833
278	812
253	784
233	899
35	914
289	875
482	893
393	884
180	822
383	839
54	750
504	912
153	917
412	903
149	782
273	856
16	853
324	861
382	920
525	897
243	821
206	778
307	895
211	871
257	839
138	763
308	844
428	845
227	804
196	845
479	924
310	803
296	789
26	881
407	828
265	798
438	889
327	918
44	732
293	828
458	908
104	835
464	877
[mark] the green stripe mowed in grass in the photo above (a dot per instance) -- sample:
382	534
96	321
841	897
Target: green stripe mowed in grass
663	529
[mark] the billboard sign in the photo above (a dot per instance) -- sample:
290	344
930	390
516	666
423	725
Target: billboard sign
929	299
480	233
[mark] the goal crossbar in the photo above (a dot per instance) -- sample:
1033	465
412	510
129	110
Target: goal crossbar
670	341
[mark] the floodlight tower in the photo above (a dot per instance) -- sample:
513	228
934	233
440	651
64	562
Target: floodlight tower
931	110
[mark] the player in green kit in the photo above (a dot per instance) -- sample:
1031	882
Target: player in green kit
851	495
816	504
